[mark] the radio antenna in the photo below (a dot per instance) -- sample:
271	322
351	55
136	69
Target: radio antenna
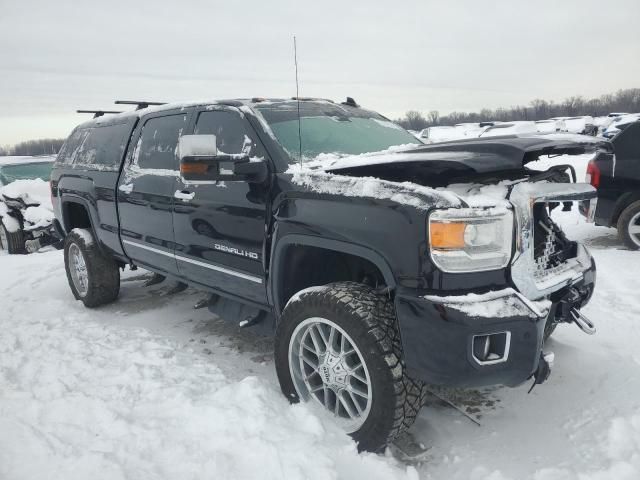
295	60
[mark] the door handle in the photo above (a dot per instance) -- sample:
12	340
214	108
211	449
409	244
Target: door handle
126	188
184	195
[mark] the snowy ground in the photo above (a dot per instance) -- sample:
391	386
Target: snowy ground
148	388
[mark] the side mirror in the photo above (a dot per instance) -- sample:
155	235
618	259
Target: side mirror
201	162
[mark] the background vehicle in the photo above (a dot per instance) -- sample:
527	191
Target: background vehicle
510	128
551	126
25	168
615	126
440	134
616	175
336	241
26	214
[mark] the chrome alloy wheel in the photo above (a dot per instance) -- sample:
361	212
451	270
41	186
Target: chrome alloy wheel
634	229
78	269
326	365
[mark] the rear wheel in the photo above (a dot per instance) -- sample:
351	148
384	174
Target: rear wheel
94	278
338	347
12	242
629	226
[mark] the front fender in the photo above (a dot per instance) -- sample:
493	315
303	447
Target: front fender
278	257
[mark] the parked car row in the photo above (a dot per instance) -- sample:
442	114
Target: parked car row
584	124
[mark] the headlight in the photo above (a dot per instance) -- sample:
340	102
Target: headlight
470	240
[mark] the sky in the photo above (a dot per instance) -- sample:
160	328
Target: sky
59	56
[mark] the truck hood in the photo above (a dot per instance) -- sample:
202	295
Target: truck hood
463	160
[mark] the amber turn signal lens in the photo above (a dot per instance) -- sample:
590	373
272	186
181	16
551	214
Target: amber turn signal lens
197	168
447	235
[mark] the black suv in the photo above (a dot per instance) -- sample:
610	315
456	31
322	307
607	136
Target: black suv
376	276
615	173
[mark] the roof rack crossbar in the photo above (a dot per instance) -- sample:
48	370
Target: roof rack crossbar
97	113
140	104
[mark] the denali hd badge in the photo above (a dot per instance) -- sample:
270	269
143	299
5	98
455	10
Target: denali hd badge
235	251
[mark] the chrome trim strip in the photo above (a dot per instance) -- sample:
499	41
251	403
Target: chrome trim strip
210	266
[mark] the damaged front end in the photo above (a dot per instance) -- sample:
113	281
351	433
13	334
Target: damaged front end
498	337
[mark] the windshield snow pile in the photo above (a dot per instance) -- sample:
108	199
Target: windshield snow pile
36	194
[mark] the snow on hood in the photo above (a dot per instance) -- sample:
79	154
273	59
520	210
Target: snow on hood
37	194
431	168
405	193
329	161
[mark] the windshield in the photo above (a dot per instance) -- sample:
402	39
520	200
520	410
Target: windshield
332	129
9	173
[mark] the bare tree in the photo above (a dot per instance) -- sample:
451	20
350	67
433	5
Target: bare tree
43	146
539	109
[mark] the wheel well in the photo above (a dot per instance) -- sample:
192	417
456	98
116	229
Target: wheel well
307	266
623	203
75	215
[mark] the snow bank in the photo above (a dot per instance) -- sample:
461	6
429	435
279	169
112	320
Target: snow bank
82	399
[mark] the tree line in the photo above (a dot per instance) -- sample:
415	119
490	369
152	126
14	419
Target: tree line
42	146
627	100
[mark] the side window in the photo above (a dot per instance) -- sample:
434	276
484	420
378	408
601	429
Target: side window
233	133
156	147
627	143
71	147
104	146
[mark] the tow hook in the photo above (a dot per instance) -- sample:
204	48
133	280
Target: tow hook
569	311
583	323
544	369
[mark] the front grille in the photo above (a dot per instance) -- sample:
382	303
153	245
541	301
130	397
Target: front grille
551	248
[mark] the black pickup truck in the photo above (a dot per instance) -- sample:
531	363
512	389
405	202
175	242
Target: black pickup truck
615	173
382	269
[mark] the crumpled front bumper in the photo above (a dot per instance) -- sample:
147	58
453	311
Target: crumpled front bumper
438	338
440	334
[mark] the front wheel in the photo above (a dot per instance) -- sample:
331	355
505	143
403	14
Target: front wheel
94	278
12	242
339	347
629	226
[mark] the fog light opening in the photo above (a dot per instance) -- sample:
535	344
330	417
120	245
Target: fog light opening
492	348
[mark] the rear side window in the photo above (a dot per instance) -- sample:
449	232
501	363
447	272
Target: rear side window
233	134
71	147
157	145
627	143
103	146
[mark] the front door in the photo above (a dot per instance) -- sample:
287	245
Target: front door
146	192
220	226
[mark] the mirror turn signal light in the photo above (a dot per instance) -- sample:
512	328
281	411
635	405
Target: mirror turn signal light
194	168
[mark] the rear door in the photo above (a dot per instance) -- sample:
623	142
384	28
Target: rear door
220	226
146	188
